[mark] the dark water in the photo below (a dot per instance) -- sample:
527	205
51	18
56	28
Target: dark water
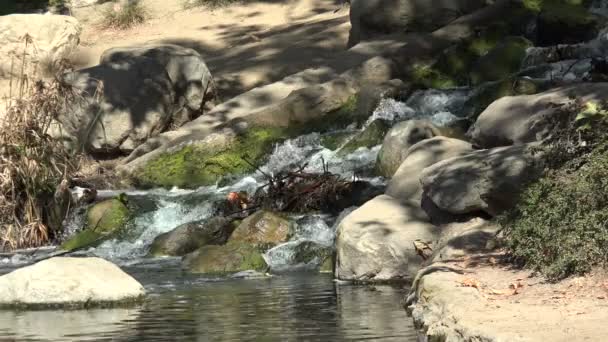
300	307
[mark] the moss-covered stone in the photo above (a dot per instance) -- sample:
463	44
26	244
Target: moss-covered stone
104	219
564	22
336	119
235	256
371	136
193	166
335	140
501	61
262	228
191	236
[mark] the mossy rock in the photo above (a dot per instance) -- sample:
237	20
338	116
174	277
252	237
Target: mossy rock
371	136
235	256
263	228
565	22
191	236
104	219
193	165
335	140
500	62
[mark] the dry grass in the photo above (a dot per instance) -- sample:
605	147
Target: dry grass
124	15
32	164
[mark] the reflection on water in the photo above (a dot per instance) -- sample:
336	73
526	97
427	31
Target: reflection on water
179	307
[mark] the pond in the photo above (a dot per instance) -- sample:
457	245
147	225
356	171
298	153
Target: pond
301	306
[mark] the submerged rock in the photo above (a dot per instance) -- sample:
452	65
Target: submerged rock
398	140
103	220
71	282
405	183
191	236
376	241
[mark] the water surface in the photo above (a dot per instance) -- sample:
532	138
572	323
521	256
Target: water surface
180	307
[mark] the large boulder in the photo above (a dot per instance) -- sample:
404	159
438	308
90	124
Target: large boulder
53	37
189	75
522	119
103	220
405	184
565	22
485	180
398	140
191	236
376	241
123	105
79	282
386	16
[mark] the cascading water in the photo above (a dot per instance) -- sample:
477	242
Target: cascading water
163	210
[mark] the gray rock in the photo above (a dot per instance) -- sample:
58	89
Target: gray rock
405	184
189	75
522	119
376	241
460	239
485	180
398	140
68	282
53	36
191	236
123	105
385	16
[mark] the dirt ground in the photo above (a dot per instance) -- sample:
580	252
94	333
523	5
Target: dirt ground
245	45
518	305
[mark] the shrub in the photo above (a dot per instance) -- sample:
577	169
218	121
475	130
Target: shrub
209	3
32	164
124	14
560	226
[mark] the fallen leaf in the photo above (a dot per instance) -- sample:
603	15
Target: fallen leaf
471	282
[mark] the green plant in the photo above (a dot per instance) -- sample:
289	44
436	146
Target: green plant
124	14
560	226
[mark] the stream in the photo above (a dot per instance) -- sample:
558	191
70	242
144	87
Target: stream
298	303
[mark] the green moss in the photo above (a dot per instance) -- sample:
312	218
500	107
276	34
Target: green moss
194	166
501	61
336	119
427	76
104	219
229	258
371	136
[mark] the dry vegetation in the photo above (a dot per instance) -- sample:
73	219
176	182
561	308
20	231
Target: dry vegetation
124	14
32	164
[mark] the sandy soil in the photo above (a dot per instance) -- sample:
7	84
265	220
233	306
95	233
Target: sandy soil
244	45
516	305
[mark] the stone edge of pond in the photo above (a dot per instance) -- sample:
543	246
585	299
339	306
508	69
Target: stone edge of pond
124	303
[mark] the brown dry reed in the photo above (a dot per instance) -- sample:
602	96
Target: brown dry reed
32	164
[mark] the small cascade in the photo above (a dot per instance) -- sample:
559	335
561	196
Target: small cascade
442	107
